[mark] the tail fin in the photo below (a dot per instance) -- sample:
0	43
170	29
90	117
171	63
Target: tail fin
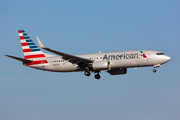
30	49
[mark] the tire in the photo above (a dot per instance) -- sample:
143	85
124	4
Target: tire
97	76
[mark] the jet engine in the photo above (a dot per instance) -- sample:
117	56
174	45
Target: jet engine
119	71
100	65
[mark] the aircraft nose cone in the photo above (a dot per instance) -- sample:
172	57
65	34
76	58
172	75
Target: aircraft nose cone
167	58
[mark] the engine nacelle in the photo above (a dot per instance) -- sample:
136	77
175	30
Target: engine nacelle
119	71
100	65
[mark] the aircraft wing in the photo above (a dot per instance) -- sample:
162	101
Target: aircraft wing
19	59
70	58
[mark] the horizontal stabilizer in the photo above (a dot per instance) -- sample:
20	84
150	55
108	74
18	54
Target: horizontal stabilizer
19	59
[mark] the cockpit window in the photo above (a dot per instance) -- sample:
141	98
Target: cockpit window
160	53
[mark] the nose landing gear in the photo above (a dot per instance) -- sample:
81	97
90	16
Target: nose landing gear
154	70
155	66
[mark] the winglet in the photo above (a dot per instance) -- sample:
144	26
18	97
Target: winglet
40	43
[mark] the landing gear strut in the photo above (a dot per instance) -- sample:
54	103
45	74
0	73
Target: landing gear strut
87	72
155	66
97	76
154	70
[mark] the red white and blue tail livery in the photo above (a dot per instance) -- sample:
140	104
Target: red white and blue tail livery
115	63
31	50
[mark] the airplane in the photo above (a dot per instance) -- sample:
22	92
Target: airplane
115	63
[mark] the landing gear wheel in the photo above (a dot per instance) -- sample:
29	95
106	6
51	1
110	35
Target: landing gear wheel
154	70
87	73
97	76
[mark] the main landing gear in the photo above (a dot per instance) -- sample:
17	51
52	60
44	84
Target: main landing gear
87	73
97	76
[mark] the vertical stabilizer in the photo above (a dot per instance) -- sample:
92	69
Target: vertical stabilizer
30	49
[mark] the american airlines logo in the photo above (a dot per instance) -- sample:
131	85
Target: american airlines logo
123	56
120	56
144	56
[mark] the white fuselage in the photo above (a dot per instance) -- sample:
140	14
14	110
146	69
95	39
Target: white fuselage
122	59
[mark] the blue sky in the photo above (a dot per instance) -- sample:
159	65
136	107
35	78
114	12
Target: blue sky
80	27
